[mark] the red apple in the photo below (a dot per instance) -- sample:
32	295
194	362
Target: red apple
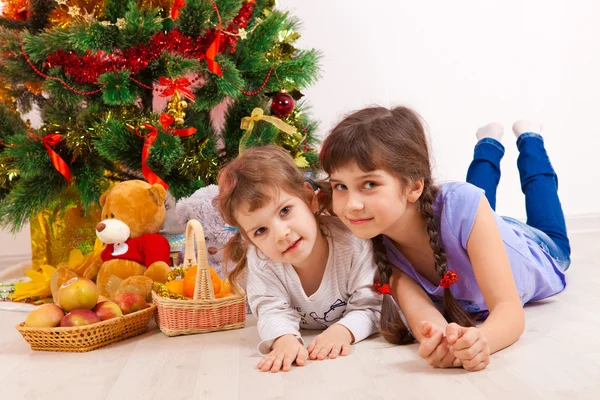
130	302
78	293
107	310
45	316
79	318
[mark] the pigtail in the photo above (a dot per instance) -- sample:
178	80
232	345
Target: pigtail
235	250
392	327
324	196
451	310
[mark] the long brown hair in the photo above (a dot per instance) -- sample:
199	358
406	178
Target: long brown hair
249	183
393	140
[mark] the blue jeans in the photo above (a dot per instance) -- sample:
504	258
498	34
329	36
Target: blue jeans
545	219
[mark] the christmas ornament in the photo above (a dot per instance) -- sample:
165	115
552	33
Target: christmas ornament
16	10
282	104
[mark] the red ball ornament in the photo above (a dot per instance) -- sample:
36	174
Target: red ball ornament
282	105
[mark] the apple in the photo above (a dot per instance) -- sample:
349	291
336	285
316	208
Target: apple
130	302
78	293
79	317
107	310
45	316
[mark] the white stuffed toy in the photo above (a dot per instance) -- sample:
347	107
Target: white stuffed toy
200	206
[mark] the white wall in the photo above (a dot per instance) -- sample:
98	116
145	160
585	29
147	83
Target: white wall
462	64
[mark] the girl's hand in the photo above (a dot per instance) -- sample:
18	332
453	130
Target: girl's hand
468	345
334	341
285	350
434	348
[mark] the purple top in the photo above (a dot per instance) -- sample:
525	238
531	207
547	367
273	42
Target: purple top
536	274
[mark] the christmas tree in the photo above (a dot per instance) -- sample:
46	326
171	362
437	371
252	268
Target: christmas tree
98	70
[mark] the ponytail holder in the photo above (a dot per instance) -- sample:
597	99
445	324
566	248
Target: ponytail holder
450	278
382	289
231	229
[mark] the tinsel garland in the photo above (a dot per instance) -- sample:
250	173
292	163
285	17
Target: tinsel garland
85	69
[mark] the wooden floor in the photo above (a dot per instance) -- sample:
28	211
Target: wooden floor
557	357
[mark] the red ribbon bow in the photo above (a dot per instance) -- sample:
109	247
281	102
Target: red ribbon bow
450	278
382	289
177	4
176	85
150	138
166	120
213	49
58	163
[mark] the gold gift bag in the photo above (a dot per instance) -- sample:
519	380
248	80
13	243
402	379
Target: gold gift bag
55	232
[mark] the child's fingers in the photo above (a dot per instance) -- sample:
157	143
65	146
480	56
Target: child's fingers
262	362
457	363
302	356
436	358
345	349
454	332
428	345
311	345
288	359
425	328
467	340
477	363
316	350
324	352
277	363
335	351
266	363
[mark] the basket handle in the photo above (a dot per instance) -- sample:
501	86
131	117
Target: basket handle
204	288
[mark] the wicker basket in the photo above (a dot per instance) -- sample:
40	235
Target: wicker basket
87	337
204	313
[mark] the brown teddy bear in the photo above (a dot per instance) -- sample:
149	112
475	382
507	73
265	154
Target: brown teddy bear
135	255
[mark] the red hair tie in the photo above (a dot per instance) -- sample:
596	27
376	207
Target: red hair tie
382	289
450	278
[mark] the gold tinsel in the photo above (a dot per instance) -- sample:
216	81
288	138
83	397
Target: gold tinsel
34	87
164	6
68	11
177	272
283	50
6	96
160	288
8	174
198	165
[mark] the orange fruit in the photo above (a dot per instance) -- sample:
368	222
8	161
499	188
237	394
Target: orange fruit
189	281
225	290
175	286
216	280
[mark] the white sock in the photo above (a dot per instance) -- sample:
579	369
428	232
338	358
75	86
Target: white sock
526	126
492	130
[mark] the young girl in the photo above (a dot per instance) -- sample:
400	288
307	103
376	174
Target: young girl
305	270
455	258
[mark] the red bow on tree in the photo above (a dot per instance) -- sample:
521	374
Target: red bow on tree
61	166
150	138
166	120
177	4
176	85
213	49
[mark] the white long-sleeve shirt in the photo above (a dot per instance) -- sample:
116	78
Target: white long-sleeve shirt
345	295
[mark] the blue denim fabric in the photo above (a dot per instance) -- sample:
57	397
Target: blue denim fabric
545	220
